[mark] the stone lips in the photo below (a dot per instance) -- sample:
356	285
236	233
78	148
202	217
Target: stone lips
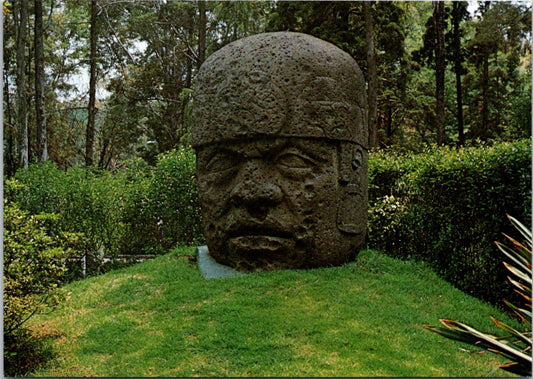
279	84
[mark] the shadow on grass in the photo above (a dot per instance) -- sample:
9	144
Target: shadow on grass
26	351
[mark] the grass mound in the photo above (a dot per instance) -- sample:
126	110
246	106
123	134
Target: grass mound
161	318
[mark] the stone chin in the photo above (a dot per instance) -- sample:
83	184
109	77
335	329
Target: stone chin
259	251
254	250
259	244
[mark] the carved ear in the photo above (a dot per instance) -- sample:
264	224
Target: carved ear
353	192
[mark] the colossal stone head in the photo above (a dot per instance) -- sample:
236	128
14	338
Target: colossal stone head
279	129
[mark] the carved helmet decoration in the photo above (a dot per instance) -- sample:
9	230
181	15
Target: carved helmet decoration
279	84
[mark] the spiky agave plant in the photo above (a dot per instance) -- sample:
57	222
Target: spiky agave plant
515	345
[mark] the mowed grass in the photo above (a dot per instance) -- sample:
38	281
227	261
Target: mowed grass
161	318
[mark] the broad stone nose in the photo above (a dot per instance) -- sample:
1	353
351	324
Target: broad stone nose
255	189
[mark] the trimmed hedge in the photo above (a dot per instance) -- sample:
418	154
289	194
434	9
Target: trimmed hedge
447	206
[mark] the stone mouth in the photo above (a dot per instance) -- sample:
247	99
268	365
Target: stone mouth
245	230
260	243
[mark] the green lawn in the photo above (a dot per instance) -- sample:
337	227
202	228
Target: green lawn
161	318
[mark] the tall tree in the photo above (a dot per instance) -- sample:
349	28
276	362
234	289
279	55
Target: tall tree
21	22
500	34
202	26
486	52
459	13
433	55
149	92
371	74
40	116
9	159
89	139
392	69
9	137
440	67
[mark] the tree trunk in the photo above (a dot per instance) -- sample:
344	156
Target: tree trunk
21	20
440	66
485	6
498	93
235	22
89	139
103	153
485	97
371	74
39	83
9	164
456	14
202	26
388	125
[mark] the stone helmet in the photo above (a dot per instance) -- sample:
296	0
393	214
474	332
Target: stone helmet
281	84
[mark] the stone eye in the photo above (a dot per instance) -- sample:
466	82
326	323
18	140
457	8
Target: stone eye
222	162
293	160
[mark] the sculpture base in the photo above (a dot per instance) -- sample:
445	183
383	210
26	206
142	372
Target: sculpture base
211	269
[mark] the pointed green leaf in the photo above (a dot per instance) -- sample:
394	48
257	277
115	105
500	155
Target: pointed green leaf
514	332
525	291
465	333
524	314
522	229
520	261
518	273
520	251
517	368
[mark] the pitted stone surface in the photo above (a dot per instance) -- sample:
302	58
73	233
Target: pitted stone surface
284	84
280	136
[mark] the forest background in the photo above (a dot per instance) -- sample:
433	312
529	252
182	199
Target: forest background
436	73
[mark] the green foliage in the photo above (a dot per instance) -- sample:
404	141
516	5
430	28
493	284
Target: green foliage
149	53
446	206
137	210
342	24
34	266
520	100
174	196
388	171
518	348
38	189
385	223
25	352
89	202
169	213
423	206
493	78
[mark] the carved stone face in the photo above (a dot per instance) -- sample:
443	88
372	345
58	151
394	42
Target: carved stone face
279	132
272	202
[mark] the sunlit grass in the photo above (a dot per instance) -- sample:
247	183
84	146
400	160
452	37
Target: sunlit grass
161	318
